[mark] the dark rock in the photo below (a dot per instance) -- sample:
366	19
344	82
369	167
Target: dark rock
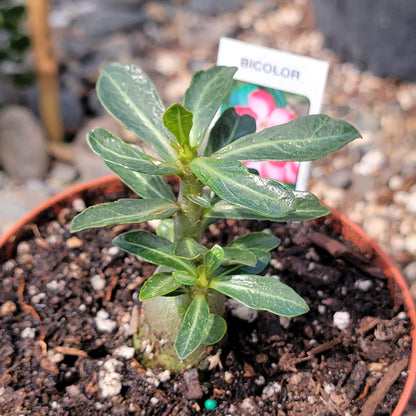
23	148
375	35
71	108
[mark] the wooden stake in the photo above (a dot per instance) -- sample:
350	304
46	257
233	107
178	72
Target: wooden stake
46	68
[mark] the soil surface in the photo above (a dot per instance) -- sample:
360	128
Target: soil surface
69	306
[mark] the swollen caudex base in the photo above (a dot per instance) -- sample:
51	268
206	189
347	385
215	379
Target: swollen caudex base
160	321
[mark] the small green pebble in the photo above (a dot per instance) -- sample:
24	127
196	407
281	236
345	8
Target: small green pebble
210	404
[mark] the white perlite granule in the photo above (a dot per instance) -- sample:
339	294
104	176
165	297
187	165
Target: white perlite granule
341	320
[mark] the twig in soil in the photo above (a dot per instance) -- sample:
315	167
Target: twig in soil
27	308
324	347
383	386
110	288
71	351
339	250
363	395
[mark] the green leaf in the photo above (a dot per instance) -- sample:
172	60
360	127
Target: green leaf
259	240
215	329
199	200
204	97
231	181
123	211
305	138
188	248
146	186
178	120
214	257
185	278
130	96
233	255
111	149
308	208
153	249
261	293
166	229
192	332
229	127
263	258
160	284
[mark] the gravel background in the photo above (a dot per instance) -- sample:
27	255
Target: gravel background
372	180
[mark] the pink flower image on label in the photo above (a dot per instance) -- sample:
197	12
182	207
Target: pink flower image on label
262	107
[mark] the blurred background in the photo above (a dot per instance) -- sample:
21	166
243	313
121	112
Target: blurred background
51	52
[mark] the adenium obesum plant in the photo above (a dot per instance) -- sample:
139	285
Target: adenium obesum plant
183	308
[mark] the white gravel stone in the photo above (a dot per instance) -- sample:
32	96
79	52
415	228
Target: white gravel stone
410	243
396	182
376	227
411	203
371	162
341	320
97	282
410	271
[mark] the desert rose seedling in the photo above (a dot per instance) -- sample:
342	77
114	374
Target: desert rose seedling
183	302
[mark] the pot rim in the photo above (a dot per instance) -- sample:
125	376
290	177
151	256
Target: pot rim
356	233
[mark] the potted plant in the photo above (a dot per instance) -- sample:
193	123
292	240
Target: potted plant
183	301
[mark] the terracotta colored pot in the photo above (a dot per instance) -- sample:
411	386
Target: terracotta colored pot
339	222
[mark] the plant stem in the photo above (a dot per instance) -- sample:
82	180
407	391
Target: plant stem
188	219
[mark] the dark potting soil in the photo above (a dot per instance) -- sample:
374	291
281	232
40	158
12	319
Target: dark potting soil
69	305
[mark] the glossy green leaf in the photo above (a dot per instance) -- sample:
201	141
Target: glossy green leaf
111	149
308	208
123	211
261	293
160	284
204	97
234	255
215	329
259	240
185	278
231	181
130	96
188	248
178	120
214	257
192	331
263	258
166	229
228	128
146	186
153	249
305	138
